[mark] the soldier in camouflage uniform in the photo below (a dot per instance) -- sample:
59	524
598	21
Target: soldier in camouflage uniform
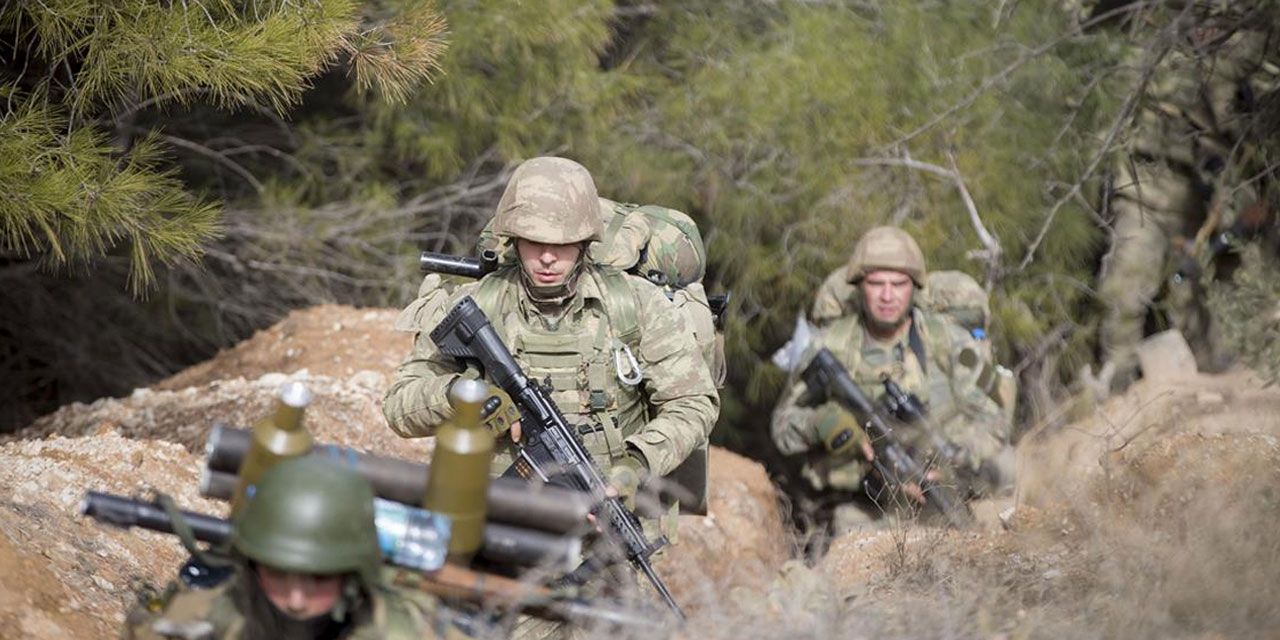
623	364
670	252
306	566
1180	176
926	353
953	293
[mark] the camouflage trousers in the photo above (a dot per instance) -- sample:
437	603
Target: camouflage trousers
1152	214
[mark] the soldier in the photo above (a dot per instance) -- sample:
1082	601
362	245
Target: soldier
953	293
1182	174
622	363
925	353
307	565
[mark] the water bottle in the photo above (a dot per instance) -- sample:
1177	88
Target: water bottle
411	537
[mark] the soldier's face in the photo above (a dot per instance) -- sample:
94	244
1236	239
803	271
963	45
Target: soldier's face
299	595
547	264
886	297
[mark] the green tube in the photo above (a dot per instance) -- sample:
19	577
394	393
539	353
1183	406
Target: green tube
458	481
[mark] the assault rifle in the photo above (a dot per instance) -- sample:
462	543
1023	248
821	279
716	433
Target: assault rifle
827	379
550	450
476	268
443	579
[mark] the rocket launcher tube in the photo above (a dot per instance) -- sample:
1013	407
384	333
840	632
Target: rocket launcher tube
502	545
446	580
511	501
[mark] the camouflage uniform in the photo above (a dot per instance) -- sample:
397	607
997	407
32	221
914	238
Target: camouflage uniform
946	379
310	517
953	293
629	243
226	613
1180	170
662	408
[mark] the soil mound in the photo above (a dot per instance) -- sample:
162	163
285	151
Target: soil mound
66	577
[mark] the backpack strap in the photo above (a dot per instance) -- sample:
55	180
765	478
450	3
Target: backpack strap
620	306
492	292
935	328
620	211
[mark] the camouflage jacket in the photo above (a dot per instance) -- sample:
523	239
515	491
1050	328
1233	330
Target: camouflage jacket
948	382
665	416
219	614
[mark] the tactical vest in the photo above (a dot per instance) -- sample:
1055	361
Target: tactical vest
592	371
926	373
595	374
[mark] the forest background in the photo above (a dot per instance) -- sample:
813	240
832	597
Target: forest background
174	176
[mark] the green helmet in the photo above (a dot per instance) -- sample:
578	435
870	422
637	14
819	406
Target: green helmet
887	248
310	516
549	200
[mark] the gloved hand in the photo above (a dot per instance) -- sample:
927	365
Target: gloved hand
499	411
626	475
838	429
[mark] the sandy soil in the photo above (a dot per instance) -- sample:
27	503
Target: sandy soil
1153	516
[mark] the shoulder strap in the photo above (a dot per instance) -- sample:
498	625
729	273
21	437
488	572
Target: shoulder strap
492	292
937	332
917	347
620	305
620	211
845	333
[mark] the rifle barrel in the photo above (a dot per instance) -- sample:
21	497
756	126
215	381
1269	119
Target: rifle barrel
126	512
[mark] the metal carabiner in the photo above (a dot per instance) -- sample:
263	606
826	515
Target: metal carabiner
630	379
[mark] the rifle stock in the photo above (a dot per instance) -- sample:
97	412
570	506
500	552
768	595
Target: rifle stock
550	448
827	378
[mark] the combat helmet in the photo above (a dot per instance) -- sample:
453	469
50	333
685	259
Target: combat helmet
888	248
549	200
311	516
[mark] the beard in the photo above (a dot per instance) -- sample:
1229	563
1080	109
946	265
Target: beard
885	327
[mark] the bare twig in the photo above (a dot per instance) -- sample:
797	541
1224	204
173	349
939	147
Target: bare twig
992	252
216	156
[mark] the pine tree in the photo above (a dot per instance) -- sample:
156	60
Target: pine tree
97	183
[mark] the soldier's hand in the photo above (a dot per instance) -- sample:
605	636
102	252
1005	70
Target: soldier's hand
500	413
868	450
915	492
625	477
839	430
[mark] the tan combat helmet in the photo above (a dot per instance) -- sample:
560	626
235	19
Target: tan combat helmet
888	248
549	200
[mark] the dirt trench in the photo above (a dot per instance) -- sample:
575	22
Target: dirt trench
1152	517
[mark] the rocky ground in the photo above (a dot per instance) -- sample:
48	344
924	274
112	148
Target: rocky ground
1153	516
